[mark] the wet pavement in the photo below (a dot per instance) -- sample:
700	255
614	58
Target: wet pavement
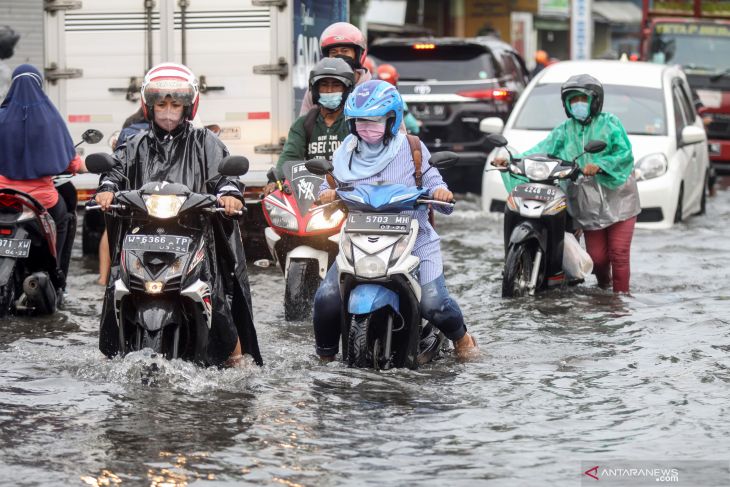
563	378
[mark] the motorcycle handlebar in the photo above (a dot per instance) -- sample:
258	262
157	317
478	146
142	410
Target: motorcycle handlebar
111	207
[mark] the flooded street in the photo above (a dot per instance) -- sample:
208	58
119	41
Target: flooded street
567	377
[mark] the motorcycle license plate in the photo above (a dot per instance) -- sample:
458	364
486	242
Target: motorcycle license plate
157	243
378	223
14	247
534	192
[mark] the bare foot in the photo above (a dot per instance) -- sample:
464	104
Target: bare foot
466	348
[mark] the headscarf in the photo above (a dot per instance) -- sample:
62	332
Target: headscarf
34	140
355	159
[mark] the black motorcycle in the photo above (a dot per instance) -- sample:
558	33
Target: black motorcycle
535	220
31	281
162	297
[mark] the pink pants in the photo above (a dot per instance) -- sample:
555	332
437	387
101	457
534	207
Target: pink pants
610	249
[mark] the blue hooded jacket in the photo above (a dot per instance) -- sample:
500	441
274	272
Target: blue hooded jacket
34	140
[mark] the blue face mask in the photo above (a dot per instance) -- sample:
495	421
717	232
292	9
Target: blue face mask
330	100
580	110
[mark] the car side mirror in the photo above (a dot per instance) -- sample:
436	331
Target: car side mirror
491	125
233	166
594	146
692	135
92	136
497	140
100	162
443	159
320	167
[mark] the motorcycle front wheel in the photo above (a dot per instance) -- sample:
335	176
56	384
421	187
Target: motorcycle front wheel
302	280
358	354
517	271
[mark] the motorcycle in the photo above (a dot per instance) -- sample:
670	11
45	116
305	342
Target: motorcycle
162	297
29	266
302	242
381	320
535	220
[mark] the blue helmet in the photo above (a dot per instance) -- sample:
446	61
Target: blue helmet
374	99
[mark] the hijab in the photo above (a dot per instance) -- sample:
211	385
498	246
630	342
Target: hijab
355	159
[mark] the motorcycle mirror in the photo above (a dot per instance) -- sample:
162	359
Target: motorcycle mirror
271	175
594	146
233	166
443	160
92	136
497	140
100	162
320	167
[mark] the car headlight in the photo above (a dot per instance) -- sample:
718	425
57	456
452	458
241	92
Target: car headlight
163	205
650	167
537	170
321	222
399	248
370	267
281	217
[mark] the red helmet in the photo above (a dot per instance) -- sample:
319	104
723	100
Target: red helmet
344	34
370	64
387	72
174	80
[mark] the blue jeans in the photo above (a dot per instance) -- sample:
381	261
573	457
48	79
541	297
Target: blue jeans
436	306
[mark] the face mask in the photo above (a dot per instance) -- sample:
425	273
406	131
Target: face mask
330	100
167	119
351	61
580	110
370	132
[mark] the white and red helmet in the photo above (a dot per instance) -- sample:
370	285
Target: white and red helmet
344	34
173	80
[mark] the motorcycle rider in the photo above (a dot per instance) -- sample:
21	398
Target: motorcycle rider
34	146
173	150
375	152
605	205
347	42
317	134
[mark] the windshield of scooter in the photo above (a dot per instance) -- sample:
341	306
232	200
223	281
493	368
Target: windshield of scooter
304	184
381	198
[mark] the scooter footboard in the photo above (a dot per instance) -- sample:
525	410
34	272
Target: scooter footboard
367	298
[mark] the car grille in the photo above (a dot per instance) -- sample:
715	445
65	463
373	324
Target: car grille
463	130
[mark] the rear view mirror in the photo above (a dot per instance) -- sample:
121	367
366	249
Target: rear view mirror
100	162
443	160
271	175
320	167
594	146
692	135
497	140
233	166
92	136
491	125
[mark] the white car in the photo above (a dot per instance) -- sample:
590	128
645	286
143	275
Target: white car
654	104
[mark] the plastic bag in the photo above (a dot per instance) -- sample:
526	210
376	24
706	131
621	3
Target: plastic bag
577	264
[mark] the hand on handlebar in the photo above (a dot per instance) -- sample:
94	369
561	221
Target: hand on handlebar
443	194
591	169
327	196
269	188
105	199
231	205
499	162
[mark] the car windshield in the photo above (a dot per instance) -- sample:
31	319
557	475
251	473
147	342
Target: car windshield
440	62
699	48
641	110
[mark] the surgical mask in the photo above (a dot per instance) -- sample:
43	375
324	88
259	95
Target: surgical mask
330	100
167	119
370	132
580	110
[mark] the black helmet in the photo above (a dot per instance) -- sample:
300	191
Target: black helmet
335	68
589	86
8	39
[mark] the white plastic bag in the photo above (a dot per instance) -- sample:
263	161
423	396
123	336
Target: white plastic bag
577	264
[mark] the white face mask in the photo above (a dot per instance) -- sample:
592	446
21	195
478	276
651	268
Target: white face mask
168	118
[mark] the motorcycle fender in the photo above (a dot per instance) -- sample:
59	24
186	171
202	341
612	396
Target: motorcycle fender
272	238
306	252
154	314
526	231
367	298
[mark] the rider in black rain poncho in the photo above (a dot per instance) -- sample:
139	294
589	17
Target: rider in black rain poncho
175	151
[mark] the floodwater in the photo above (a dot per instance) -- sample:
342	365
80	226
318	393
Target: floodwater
567	377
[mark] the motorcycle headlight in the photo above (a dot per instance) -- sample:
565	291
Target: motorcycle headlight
321	222
163	205
650	167
370	267
281	217
399	248
537	170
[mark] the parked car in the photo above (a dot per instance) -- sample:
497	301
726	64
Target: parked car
450	85
654	104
